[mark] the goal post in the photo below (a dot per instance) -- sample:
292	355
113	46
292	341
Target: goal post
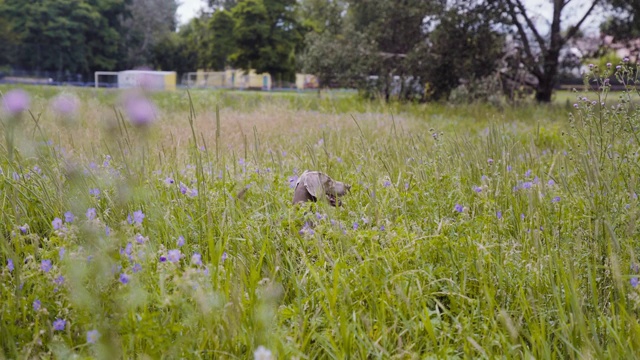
99	74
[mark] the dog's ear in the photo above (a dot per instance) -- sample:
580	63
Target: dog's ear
317	183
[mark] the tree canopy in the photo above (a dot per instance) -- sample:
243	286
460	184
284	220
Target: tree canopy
407	49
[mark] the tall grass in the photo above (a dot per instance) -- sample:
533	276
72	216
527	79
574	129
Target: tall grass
469	232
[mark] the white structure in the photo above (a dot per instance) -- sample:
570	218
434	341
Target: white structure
148	79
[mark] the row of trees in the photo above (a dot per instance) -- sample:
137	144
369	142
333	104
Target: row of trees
82	36
413	49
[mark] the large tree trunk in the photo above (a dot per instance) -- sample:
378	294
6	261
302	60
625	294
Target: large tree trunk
548	77
544	89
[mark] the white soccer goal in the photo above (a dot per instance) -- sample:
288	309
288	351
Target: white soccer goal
110	77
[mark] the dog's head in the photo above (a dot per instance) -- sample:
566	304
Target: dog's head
313	184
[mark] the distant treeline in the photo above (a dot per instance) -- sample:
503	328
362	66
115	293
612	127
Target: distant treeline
419	50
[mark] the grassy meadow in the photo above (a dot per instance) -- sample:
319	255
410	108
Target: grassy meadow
470	231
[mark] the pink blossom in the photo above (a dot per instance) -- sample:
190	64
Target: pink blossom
16	101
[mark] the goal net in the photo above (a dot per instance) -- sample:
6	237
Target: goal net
108	79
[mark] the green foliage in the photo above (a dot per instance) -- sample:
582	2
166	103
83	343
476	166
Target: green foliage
266	34
221	42
74	36
146	24
463	46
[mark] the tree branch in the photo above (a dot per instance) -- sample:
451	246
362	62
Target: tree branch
574	29
525	41
531	26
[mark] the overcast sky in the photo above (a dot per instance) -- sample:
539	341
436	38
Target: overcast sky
576	9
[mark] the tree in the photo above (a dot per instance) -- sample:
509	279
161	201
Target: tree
146	23
267	34
220	39
64	36
542	51
463	47
624	22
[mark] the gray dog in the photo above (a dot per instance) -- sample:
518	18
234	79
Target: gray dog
311	184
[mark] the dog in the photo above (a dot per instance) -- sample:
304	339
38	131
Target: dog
312	184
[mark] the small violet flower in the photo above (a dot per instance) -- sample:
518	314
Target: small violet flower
92	336
57	223
45	265
138	216
59	324
174	255
91	213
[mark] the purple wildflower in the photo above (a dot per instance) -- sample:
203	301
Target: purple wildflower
124	278
136	267
91	213
477	189
292	181
528	173
139	239
65	105
509	167
387	183
174	255
490	161
92	336
163	258
59	324
551	182
183	188
382	227
69	217
16	101
180	240
107	230
193	192
196	259
224	256
59	280
138	216
10	265
45	265
128	249
36	305
24	228
527	185
355	226
57	223
458	208
169	181
61	253
94	192
499	214
141	111
555	200
634	282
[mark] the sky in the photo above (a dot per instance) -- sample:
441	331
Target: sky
189	9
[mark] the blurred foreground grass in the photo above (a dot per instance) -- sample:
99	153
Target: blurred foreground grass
470	231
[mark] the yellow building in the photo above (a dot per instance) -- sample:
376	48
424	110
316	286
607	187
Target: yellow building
306	81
